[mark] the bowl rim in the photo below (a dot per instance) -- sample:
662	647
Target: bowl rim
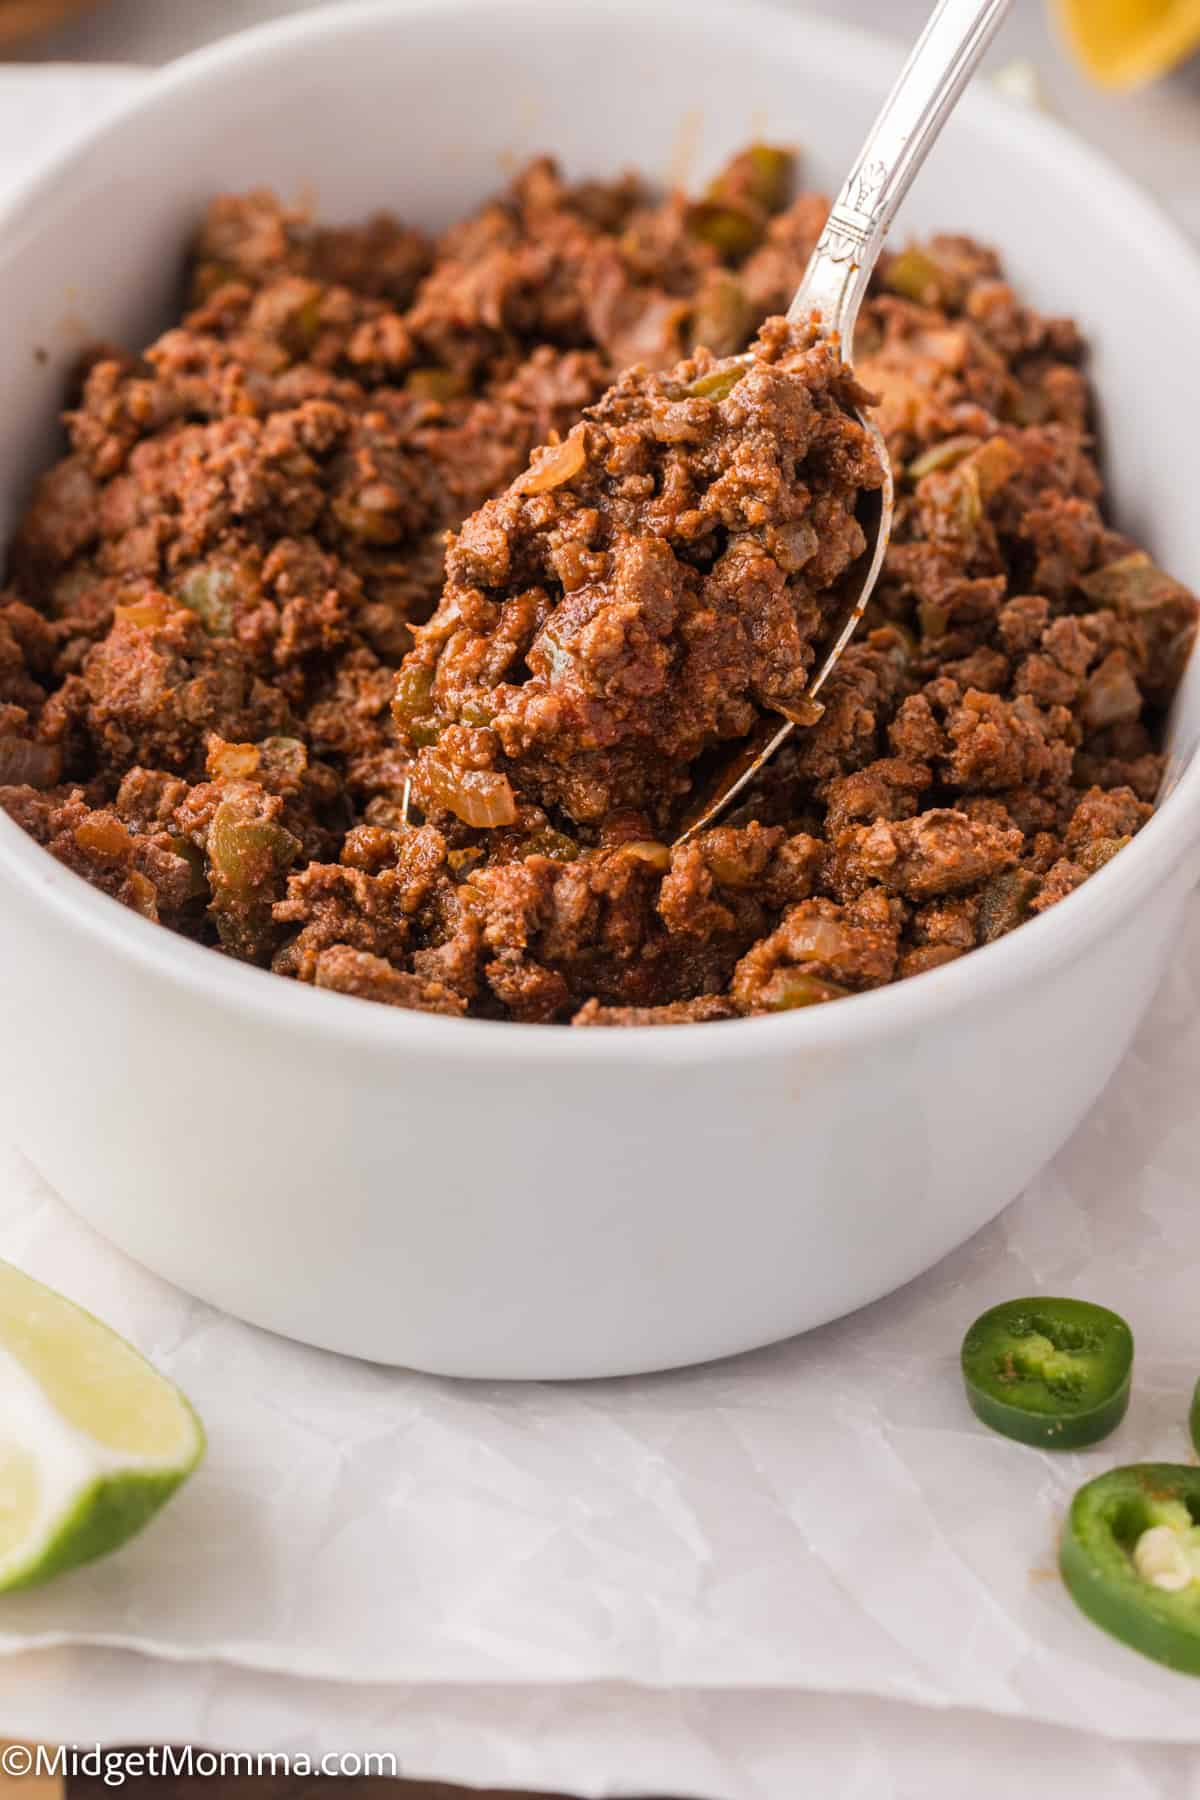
1058	936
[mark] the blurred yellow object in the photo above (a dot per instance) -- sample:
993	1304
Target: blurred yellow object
1126	42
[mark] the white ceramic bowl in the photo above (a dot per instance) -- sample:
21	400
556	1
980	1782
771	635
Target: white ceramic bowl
502	1200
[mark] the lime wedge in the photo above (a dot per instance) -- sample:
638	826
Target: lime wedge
92	1439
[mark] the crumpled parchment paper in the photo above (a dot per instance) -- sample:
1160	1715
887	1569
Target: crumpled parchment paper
825	1515
501	1582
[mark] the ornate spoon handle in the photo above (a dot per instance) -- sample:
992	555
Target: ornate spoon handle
939	67
941	64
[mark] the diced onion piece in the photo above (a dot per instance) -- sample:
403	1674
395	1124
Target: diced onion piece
931	956
1112	695
282	760
817	940
141	894
555	465
103	835
804	712
729	871
24	763
478	797
147	614
231	762
649	850
547	653
951	450
995	463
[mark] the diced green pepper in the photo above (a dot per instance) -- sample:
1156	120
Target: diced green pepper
1130	1557
717	384
1050	1372
919	276
771	175
914	274
193	856
247	858
554	844
209	592
790	988
1004	902
722	316
732	232
1133	584
412	705
760	176
304	327
210	276
437	385
1100	851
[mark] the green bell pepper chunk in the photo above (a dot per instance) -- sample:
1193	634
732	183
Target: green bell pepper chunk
1130	1556
1054	1373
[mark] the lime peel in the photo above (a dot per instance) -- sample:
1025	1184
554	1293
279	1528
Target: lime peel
66	1494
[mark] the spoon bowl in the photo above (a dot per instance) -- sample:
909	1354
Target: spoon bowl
773	729
830	294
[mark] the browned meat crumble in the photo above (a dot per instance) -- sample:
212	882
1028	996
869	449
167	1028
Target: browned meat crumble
241	567
643	591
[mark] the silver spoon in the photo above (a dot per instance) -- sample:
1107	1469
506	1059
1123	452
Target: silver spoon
941	63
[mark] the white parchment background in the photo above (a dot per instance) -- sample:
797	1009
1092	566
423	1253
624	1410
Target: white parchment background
812	1547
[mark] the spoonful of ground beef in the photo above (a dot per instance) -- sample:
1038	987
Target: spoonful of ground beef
684	568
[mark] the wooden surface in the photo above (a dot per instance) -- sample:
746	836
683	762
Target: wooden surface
21	20
33	1787
244	1787
270	1787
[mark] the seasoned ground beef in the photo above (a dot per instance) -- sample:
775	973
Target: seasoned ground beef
645	589
308	653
